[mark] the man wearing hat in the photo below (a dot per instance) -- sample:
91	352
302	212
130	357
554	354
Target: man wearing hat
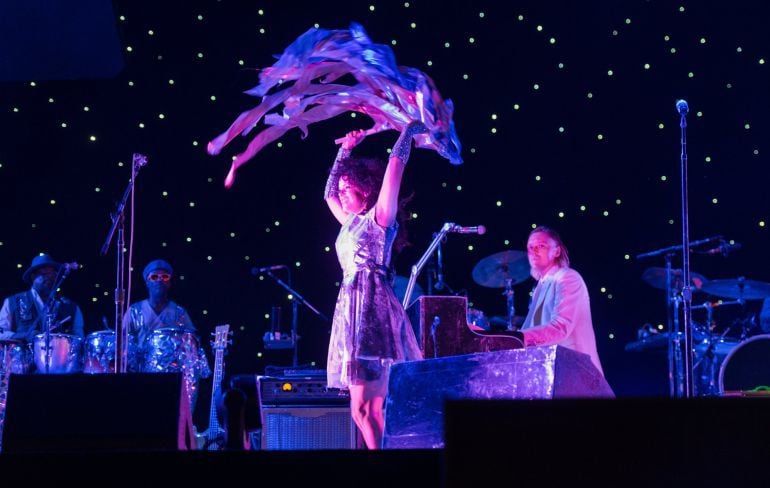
25	314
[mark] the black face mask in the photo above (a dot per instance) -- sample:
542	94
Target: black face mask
158	289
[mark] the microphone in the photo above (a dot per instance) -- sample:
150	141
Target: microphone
139	160
478	229
256	271
724	248
71	266
681	107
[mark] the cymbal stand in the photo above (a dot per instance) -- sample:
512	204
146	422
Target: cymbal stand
673	299
508	293
708	355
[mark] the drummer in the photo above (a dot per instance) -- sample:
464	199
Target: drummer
27	314
157	310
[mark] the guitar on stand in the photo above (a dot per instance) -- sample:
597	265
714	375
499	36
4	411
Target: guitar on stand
213	438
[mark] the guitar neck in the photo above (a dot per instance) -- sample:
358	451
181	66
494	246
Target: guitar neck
220	343
216	388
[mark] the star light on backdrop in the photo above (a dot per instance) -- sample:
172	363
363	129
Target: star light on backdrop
566	112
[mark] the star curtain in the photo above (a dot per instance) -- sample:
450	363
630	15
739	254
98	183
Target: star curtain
307	80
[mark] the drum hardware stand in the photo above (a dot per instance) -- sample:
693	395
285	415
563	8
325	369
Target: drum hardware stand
508	293
676	367
709	355
118	222
295	297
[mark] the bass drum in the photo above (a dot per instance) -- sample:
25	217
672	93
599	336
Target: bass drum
747	367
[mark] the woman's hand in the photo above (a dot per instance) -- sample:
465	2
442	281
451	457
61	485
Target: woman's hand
353	138
415	127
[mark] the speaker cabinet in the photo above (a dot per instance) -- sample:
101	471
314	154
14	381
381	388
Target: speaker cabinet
716	441
101	412
307	427
300	413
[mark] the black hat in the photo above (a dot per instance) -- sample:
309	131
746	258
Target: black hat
38	262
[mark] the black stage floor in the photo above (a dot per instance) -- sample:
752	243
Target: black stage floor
619	442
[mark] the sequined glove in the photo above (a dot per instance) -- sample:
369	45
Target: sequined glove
350	141
403	145
332	185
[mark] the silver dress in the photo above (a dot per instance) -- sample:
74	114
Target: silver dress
370	329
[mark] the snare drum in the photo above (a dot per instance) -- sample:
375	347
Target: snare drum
15	357
747	367
66	353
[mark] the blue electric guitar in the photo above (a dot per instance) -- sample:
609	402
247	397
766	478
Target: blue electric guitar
213	439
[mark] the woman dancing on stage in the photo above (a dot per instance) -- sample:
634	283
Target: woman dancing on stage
370	329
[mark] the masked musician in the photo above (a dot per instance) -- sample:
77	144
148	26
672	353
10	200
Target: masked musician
161	332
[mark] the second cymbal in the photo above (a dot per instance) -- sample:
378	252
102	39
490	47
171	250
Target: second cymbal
656	277
738	289
494	270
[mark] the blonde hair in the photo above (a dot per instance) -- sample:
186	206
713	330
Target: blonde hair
563	258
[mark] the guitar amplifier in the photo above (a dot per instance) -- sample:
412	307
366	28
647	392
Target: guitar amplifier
299	413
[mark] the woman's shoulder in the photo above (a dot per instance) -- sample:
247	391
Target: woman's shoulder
371	216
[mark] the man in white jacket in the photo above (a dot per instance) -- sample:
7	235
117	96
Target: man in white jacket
560	312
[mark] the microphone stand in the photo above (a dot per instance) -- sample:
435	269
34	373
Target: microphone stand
295	296
49	314
118	222
416	268
686	289
439	269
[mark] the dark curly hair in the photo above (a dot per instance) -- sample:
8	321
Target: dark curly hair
367	174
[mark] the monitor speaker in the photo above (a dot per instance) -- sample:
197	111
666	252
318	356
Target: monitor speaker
96	412
300	412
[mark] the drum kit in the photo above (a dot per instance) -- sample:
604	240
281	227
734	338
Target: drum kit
726	359
500	270
167	349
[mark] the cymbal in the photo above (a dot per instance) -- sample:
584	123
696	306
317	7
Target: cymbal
492	271
656	277
739	289
661	340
